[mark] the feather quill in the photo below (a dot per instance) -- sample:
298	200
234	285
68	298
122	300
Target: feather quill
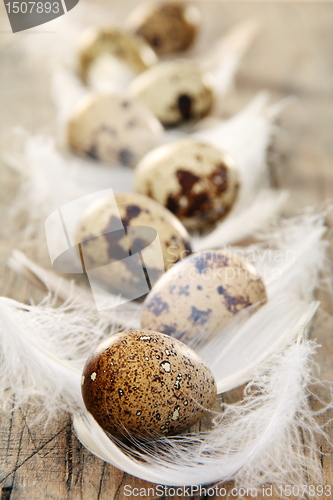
243	224
223	58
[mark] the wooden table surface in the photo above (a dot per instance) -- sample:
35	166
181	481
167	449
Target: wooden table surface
292	56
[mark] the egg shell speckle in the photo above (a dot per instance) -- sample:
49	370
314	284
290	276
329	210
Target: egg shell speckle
112	129
128	48
168	27
175	91
100	243
146	383
196	181
208	285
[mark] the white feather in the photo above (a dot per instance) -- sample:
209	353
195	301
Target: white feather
50	179
61	43
223	57
249	338
222	61
254	442
125	315
258	436
241	133
291	254
264	425
246	136
109	74
245	340
43	349
234	354
35	374
67	89
242	224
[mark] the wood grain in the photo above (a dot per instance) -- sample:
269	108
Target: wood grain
292	56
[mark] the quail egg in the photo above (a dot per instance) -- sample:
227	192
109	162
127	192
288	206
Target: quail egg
194	180
143	383
132	51
175	91
112	129
168	27
208	285
118	241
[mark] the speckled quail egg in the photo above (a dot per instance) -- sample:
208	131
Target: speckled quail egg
130	50
113	229
112	129
144	383
208	285
196	181
175	91
168	27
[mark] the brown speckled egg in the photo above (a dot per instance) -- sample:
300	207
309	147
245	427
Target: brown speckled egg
194	180
208	285
175	91
103	240
112	129
127	48
145	383
168	27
